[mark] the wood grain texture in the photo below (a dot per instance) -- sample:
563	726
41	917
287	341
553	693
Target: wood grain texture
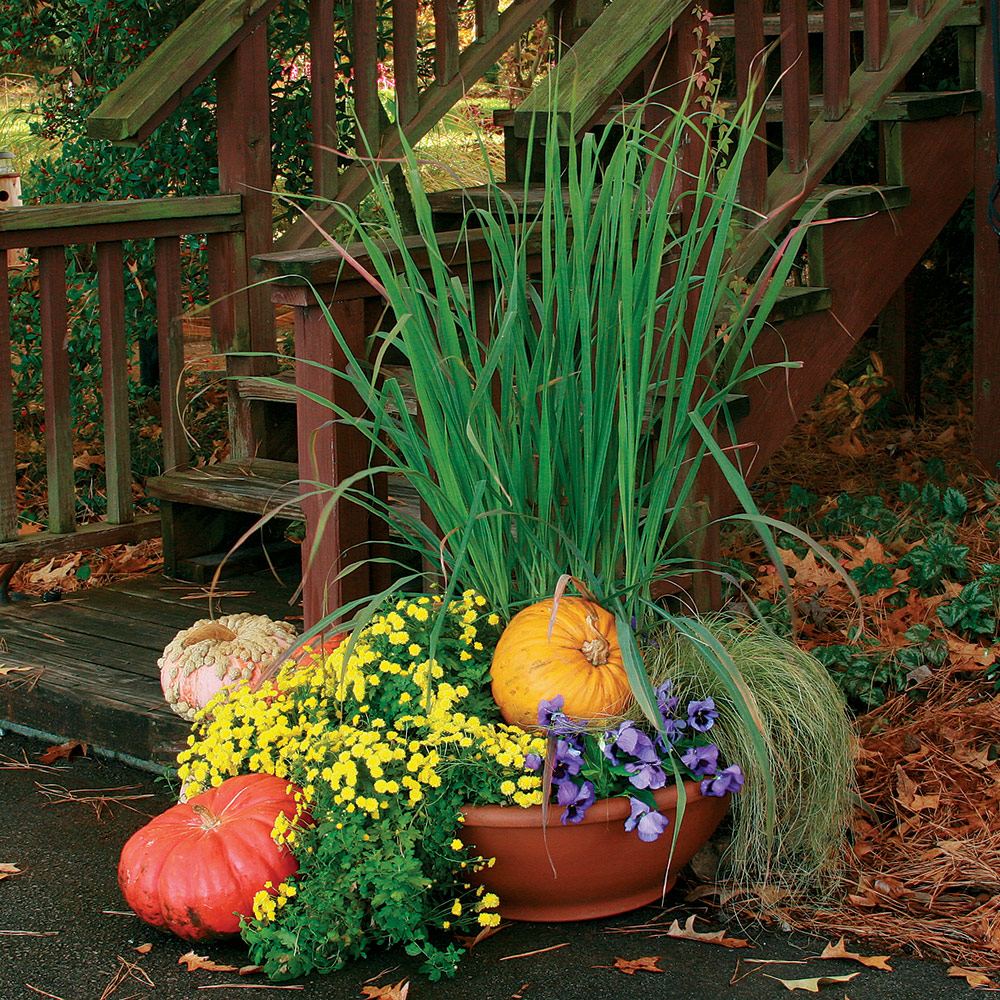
114	383
323	96
876	28
8	474
170	346
55	381
748	17
795	84
404	55
446	48
836	59
365	82
45	544
102	213
175	68
487	19
723	24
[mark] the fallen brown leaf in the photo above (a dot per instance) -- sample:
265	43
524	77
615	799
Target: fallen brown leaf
469	942
8	871
8	671
144	949
193	962
398	992
974	979
63	750
631	966
688	933
839	950
812	985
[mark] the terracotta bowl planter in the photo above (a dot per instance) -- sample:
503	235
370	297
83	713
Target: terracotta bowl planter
600	869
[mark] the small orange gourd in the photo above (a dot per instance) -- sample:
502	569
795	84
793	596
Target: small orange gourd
581	660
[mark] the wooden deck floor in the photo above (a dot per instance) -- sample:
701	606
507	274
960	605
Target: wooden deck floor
85	667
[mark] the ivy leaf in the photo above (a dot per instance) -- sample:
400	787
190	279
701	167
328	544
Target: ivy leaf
954	504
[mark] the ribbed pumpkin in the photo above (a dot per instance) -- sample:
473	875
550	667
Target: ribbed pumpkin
194	868
581	661
211	655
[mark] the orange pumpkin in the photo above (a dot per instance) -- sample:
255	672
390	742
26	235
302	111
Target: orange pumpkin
581	661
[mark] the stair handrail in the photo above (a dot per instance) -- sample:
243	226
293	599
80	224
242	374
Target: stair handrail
175	68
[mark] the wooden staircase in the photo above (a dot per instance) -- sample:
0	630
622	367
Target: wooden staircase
936	149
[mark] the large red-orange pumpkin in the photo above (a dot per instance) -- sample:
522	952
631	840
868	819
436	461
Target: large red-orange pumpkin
581	661
195	868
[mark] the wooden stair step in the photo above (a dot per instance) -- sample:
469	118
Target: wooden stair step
280	388
800	300
851	202
259	486
899	106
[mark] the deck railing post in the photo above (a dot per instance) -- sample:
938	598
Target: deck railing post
795	83
323	93
836	58
170	347
748	17
8	475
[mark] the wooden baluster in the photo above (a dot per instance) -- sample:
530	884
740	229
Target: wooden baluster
170	344
114	383
795	84
918	8
404	58
55	376
836	59
749	29
487	19
8	495
323	82
366	101
876	33
445	40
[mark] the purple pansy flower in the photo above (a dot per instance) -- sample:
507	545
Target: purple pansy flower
673	729
702	714
633	742
649	823
646	775
729	780
701	760
666	703
567	761
549	707
533	762
577	799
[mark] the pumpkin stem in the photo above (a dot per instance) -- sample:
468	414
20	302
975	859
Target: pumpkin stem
596	648
210	630
209	821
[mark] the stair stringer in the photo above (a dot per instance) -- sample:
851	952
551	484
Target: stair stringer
865	261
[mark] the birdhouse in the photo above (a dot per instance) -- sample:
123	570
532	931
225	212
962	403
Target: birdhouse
10	197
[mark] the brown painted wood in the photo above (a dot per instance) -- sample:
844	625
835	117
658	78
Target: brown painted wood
175	68
329	453
55	379
323	95
366	100
95	535
723	25
73	215
749	16
986	272
918	8
795	84
404	58
836	59
487	19
170	345
434	103
114	383
8	475
446	46
899	347
876	25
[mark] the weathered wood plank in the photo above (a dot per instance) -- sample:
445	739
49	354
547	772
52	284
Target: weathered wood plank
175	68
836	59
876	28
45	544
434	103
107	603
723	25
598	65
323	96
8	474
748	16
445	40
114	382
170	345
795	84
487	19
112	213
365	61
256	486
404	58
55	379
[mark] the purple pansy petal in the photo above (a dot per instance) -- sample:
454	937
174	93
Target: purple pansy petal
701	760
577	801
649	823
549	707
646	775
533	762
635	743
729	780
702	714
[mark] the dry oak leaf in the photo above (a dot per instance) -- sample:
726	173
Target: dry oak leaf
144	949
688	933
630	966
974	979
8	870
398	992
839	950
193	962
813	985
62	750
809	570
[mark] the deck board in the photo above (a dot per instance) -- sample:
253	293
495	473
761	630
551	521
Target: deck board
90	658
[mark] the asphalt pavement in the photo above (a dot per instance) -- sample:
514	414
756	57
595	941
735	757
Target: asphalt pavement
66	933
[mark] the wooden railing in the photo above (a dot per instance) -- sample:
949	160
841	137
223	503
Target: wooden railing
47	231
